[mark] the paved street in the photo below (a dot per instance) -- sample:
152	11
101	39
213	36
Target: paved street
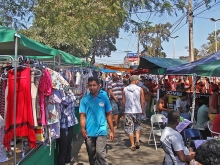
119	152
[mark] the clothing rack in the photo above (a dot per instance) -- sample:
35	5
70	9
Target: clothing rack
15	81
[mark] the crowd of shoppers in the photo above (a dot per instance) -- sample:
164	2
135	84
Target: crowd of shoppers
128	98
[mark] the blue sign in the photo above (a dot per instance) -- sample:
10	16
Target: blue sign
132	55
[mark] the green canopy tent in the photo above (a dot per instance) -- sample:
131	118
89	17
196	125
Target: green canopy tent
62	59
12	43
25	46
158	65
209	69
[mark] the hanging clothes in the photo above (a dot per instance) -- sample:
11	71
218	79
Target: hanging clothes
78	78
6	101
44	89
24	116
90	73
68	117
72	82
84	83
3	155
53	109
68	75
57	79
33	96
2	99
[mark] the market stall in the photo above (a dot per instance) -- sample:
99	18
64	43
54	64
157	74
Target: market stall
158	66
209	69
190	68
118	68
139	71
14	44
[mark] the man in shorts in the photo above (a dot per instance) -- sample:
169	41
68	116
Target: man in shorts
115	88
133	102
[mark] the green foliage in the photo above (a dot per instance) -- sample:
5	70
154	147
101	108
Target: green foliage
152	37
16	13
209	47
89	27
78	27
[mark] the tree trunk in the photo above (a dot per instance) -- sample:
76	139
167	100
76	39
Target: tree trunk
93	58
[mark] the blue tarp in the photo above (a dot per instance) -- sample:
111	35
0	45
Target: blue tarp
108	71
189	68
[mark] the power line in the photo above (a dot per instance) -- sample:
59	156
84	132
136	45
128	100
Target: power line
207	8
211	11
174	31
199	5
202	17
181	19
179	28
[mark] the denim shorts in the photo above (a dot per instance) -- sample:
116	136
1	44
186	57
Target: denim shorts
116	107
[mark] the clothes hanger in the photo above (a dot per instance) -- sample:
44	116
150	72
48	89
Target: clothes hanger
23	66
38	71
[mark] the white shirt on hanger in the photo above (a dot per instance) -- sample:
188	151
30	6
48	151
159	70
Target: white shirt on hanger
78	78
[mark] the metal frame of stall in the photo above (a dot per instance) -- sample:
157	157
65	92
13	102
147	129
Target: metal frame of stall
15	65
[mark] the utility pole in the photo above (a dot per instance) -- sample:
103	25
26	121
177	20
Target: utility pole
190	22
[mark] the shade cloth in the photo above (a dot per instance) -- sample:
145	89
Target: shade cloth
209	69
140	71
118	68
158	65
108	71
189	68
26	46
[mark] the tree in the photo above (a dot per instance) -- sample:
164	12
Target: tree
195	52
152	38
209	48
16	13
79	27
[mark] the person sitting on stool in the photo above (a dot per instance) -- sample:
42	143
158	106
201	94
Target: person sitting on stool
160	106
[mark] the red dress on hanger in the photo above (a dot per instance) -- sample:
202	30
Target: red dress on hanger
24	116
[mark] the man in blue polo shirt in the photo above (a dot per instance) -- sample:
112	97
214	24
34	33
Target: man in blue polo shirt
95	111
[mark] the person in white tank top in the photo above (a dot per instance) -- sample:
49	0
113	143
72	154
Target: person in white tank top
133	105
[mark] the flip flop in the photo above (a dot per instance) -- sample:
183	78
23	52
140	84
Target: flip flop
132	148
138	144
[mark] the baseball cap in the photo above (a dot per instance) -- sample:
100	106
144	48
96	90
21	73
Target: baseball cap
134	78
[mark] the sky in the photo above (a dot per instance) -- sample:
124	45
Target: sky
202	27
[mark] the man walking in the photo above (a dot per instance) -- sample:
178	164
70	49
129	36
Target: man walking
95	111
115	88
133	103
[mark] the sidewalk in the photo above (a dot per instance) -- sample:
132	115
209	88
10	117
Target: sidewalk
118	152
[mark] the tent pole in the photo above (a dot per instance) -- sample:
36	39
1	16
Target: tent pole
193	96
54	62
15	99
59	60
